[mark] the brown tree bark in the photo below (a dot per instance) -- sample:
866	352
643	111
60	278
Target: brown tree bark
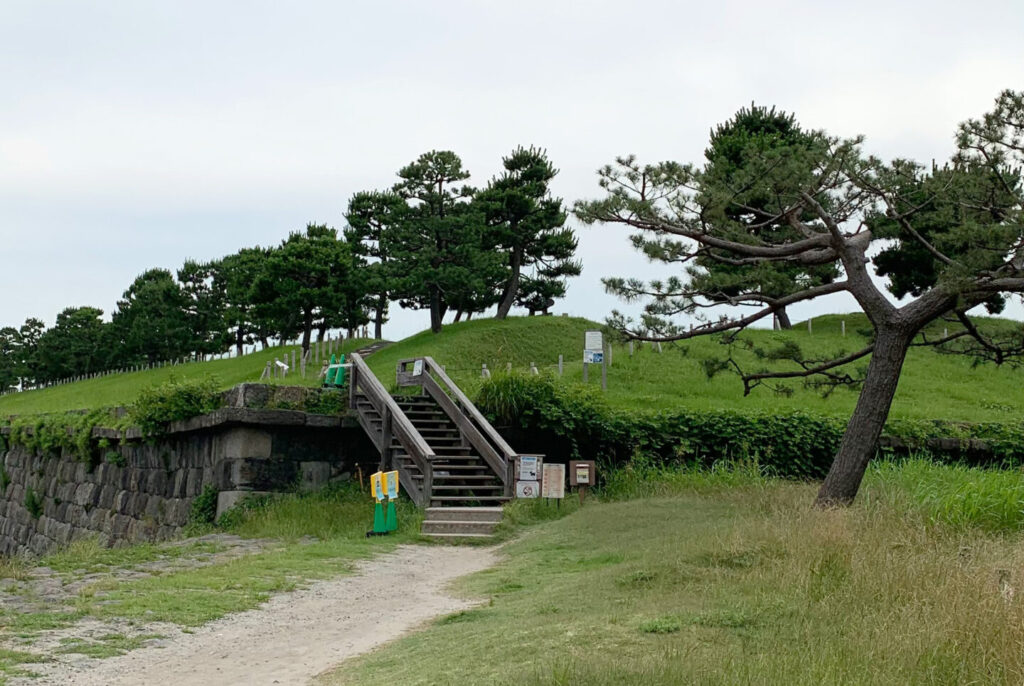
508	297
435	309
307	330
783	318
860	440
378	319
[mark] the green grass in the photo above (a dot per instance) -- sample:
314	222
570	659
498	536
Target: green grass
88	555
12	661
933	386
16	568
960	497
731	579
118	390
316	536
338	517
108	645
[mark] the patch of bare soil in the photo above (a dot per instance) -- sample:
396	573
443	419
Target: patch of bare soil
294	636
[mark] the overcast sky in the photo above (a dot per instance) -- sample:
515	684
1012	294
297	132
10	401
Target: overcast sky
138	134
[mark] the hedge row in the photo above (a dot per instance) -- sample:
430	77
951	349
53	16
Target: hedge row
544	415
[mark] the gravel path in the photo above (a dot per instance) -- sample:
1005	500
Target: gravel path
296	635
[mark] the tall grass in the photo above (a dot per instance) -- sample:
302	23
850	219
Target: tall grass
643	478
738	585
342	511
954	495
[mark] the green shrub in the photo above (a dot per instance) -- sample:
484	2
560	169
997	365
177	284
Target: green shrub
33	502
49	434
175	400
566	421
326	401
204	507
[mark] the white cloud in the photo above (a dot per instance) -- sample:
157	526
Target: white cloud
141	134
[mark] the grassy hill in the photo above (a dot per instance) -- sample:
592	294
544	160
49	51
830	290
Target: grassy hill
121	389
933	386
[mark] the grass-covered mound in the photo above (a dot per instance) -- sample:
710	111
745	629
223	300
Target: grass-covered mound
933	385
121	390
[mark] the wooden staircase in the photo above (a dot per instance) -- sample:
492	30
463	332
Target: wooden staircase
450	460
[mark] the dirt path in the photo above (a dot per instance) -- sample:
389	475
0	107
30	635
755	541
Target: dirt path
296	635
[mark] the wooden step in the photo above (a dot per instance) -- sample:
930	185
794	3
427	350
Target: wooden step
456	537
438	475
464	487
461	528
463	499
465	514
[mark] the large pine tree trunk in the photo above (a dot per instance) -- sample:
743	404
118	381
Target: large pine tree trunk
239	341
860	441
508	297
435	309
307	330
378	319
783	318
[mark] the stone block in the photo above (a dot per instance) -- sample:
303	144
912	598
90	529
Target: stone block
314	475
246	442
86	494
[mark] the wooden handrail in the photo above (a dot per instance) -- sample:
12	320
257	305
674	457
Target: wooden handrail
470	409
466	427
411	439
380	399
467	406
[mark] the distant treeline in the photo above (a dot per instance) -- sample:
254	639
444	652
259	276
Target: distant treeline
430	242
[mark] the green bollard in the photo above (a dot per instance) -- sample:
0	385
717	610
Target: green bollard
329	381
379	525
392	520
339	378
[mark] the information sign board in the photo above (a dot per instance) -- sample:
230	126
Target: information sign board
392	484
582	473
377	485
527	489
593	341
591	357
553	485
528	468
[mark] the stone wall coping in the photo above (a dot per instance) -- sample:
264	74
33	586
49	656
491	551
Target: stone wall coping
234	416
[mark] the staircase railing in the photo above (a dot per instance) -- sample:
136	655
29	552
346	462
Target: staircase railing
472	425
394	423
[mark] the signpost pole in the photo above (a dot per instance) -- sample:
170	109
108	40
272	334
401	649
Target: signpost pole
604	376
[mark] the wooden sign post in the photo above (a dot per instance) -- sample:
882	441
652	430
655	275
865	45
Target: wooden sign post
582	475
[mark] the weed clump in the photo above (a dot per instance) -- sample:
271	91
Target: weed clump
158	406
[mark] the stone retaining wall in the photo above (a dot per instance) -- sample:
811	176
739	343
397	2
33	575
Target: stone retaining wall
143	490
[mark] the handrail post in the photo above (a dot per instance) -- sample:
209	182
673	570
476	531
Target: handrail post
385	429
353	379
428	482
